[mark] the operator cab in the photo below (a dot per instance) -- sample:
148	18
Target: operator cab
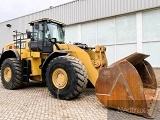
44	31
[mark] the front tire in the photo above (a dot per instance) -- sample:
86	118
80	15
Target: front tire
11	73
66	77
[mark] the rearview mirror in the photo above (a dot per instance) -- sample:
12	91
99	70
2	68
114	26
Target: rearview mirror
28	33
53	40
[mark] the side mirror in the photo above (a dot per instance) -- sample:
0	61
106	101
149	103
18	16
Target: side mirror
53	40
63	29
28	33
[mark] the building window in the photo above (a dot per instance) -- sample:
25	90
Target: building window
106	32
89	33
126	29
151	25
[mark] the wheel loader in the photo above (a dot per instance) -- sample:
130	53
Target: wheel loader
128	84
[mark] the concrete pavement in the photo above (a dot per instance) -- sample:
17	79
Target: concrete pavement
36	103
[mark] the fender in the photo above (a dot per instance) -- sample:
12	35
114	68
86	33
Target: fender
9	54
50	57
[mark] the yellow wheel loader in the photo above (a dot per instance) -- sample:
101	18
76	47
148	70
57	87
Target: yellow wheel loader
66	68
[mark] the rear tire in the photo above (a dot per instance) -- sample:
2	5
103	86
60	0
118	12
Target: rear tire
11	73
71	77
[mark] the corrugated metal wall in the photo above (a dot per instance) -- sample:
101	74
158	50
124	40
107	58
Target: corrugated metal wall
85	10
76	12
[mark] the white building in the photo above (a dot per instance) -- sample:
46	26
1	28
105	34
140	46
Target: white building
123	26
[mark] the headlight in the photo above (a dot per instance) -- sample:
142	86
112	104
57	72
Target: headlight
103	48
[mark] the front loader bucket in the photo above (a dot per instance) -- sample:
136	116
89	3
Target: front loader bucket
128	85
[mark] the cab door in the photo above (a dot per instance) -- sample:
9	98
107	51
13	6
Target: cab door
40	38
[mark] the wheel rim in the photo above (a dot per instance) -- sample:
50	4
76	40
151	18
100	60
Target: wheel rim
7	74
59	78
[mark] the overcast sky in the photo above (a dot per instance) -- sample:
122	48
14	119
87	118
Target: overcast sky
10	9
